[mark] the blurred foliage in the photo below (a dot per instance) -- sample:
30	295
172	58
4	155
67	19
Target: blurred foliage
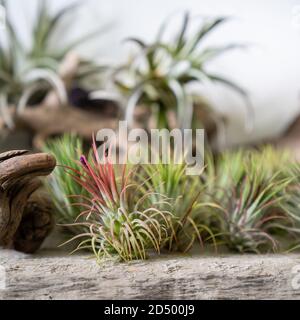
160	74
27	74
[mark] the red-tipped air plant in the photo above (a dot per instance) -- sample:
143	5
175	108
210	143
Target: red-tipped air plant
122	218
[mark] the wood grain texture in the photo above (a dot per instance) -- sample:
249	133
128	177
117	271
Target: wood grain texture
19	173
53	275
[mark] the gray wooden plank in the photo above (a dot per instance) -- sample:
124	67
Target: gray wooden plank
56	275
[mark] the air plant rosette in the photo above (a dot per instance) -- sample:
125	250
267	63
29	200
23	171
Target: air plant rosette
30	74
159	76
119	220
251	195
186	195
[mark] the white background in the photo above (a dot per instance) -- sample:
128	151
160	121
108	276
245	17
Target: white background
270	70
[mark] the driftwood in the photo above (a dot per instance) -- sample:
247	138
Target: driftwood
19	211
55	275
45	121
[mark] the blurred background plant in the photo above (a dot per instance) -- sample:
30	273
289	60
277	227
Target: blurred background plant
250	190
27	74
159	76
214	99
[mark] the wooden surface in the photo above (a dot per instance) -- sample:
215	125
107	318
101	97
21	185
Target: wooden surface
52	275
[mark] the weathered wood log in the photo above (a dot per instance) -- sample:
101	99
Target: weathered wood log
19	180
54	275
37	223
45	122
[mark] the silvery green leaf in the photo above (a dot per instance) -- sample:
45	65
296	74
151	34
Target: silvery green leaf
131	105
180	95
179	69
27	94
52	78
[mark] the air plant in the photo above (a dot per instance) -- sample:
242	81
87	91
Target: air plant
160	74
185	194
65	192
274	160
250	201
26	74
122	221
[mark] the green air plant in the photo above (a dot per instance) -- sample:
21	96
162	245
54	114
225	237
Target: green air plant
185	193
250	200
64	191
274	160
27	74
292	205
122	221
160	74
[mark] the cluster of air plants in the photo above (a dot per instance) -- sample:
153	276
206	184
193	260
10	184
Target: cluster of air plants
125	211
160	74
28	73
116	216
243	200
